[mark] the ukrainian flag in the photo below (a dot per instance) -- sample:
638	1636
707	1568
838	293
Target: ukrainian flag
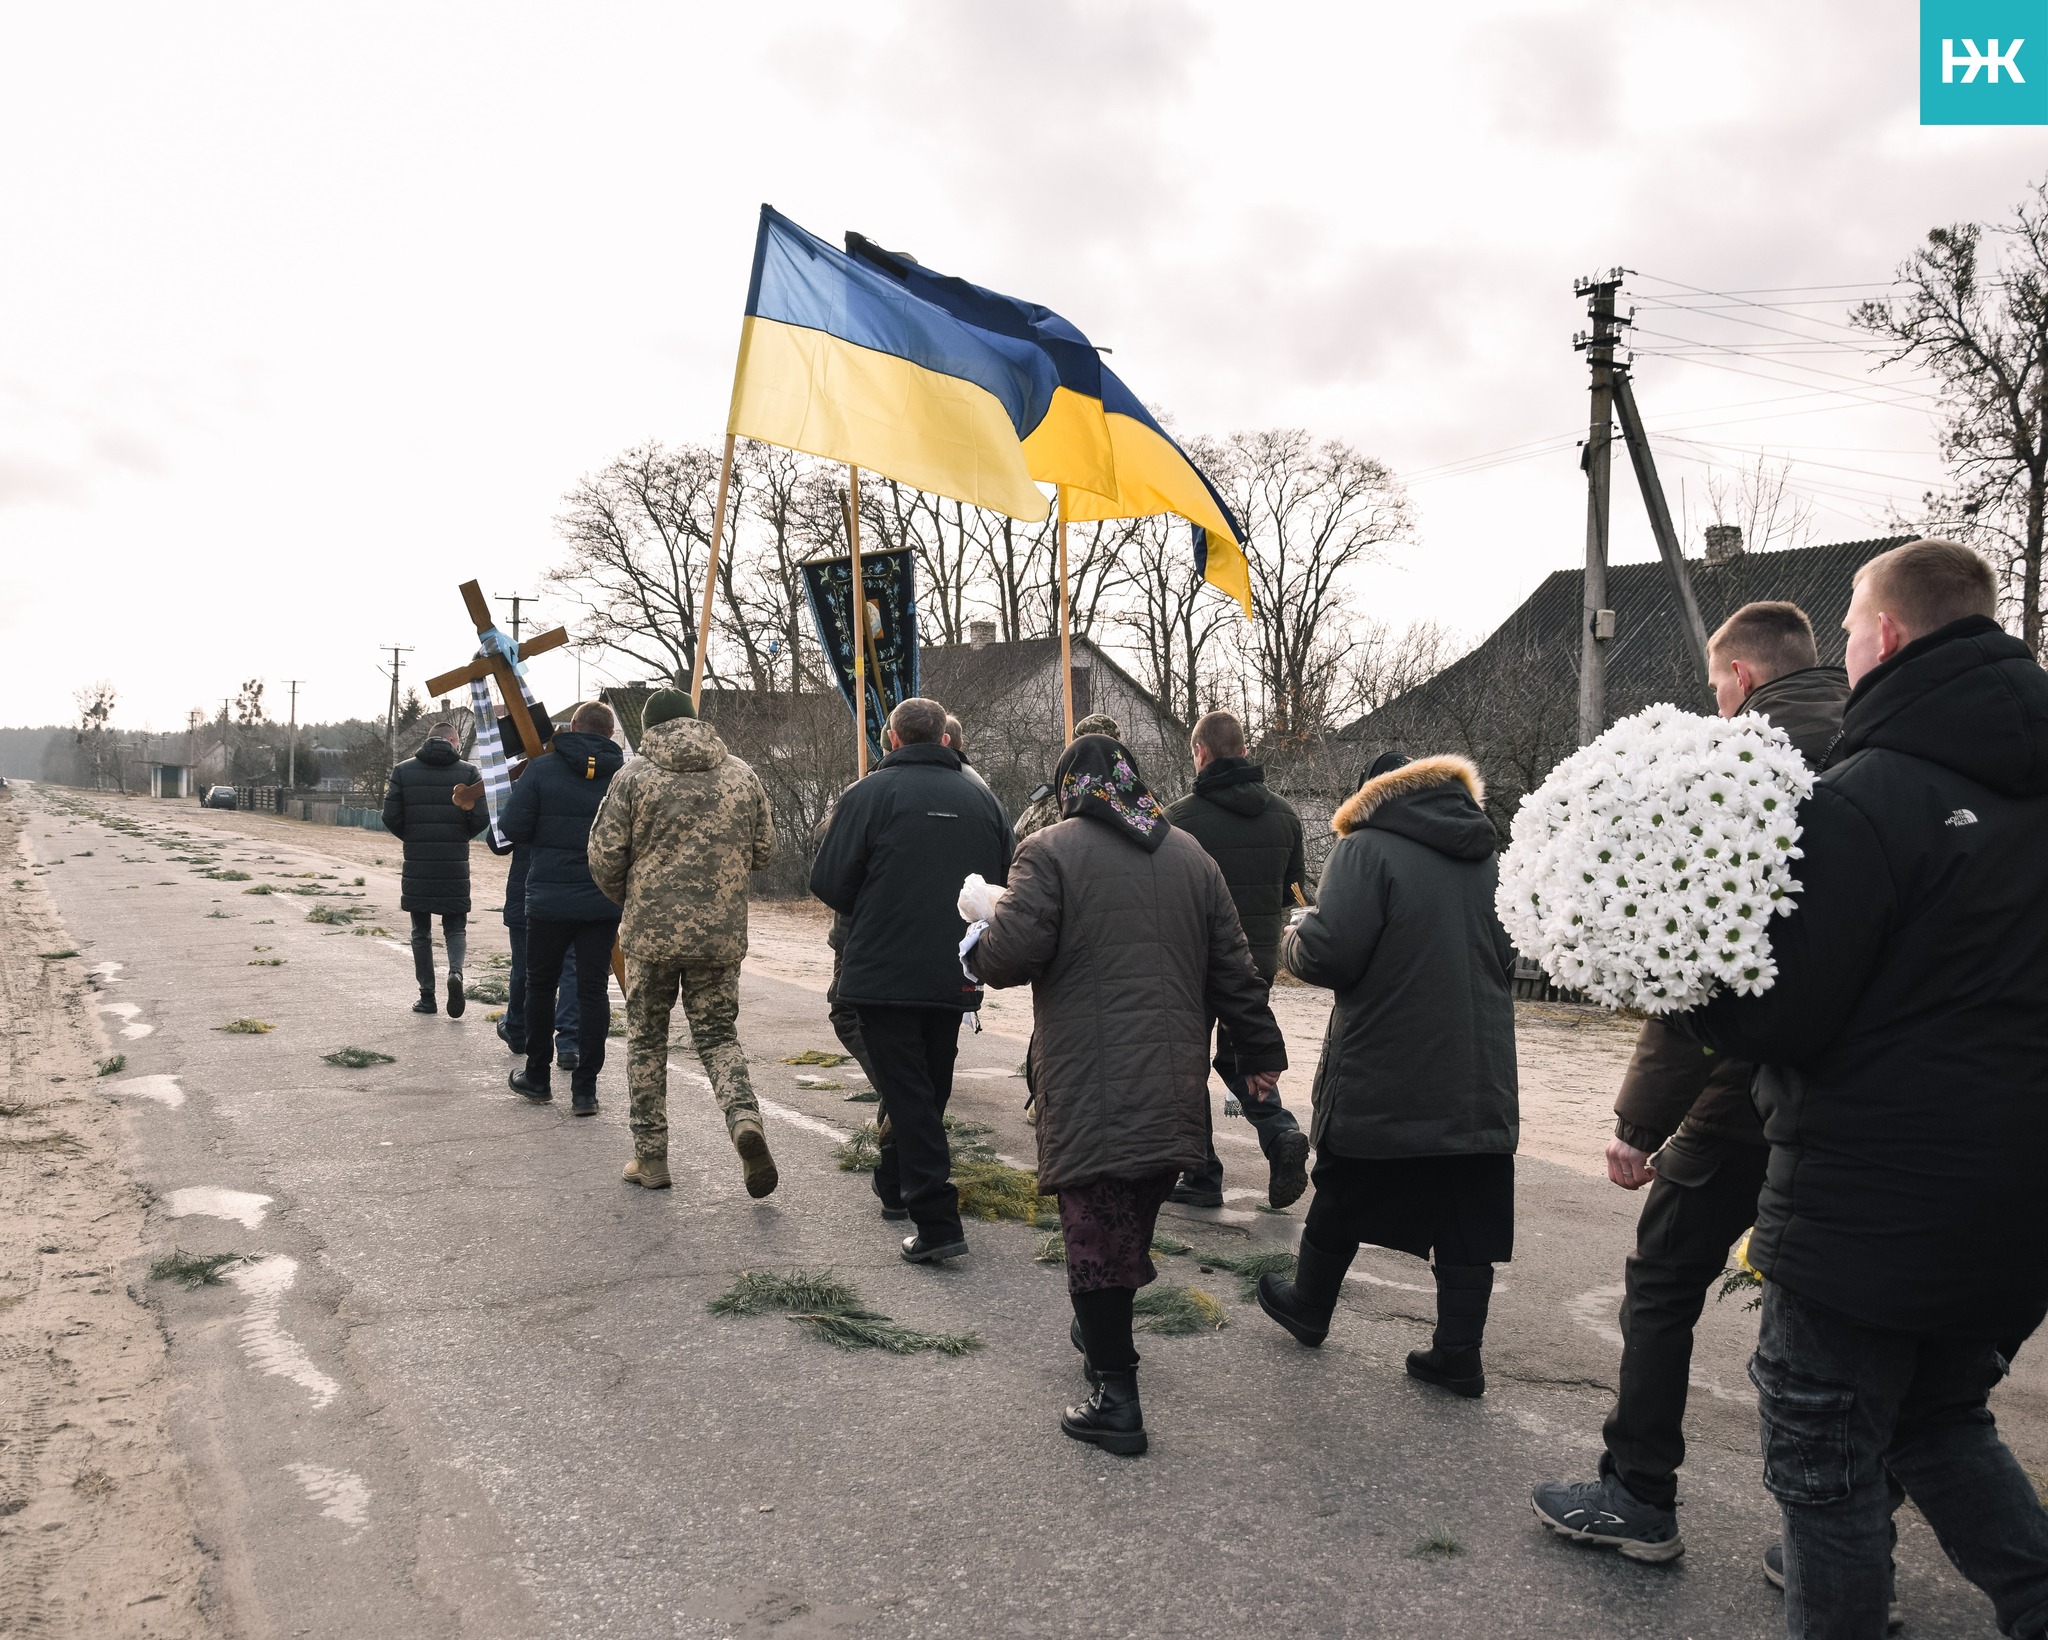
1088	434
840	361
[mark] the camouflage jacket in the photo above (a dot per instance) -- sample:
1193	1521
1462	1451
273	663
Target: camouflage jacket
1037	816
679	830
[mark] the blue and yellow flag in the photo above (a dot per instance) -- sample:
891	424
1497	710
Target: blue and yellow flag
1086	431
841	361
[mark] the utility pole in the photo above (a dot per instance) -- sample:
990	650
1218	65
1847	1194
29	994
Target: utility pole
1647	481
391	716
291	755
515	599
1596	628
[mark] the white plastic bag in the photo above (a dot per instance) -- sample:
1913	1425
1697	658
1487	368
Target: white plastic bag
978	901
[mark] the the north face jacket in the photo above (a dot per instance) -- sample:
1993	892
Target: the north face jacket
900	844
1904	1045
420	811
673	842
1673	1084
552	806
1419	1057
1254	835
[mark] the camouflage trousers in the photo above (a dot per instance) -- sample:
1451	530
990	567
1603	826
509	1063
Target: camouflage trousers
710	994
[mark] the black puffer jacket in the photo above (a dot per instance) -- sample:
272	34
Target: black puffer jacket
1904	1045
552	806
1673	1083
420	811
1419	1058
1254	835
899	845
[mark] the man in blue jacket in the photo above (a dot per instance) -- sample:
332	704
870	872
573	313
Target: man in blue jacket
900	844
1904	1092
550	813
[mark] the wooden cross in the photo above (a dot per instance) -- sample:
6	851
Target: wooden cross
491	664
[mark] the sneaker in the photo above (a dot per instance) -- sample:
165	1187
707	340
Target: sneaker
1774	1574
916	1250
456	1000
1288	1170
1607	1515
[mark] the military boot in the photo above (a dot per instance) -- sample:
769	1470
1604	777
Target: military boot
752	1144
649	1172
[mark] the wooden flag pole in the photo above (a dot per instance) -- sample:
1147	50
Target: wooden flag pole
710	578
860	627
1066	625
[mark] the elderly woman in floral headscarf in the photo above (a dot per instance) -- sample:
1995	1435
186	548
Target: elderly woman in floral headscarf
1126	932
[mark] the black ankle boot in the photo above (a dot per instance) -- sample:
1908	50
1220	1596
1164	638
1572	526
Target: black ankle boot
1304	1305
1111	1417
1452	1360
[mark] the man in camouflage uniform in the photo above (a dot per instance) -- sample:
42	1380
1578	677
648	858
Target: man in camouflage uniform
679	830
1044	810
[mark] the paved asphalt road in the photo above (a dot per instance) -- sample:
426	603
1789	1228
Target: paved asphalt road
473	1389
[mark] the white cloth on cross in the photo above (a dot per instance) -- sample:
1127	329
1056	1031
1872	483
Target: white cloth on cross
490	757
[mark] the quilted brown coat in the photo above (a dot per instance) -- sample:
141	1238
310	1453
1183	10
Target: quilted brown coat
1129	956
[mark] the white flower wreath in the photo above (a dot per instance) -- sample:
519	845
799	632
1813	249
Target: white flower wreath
1646	868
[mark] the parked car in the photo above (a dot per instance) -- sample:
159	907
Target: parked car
218	797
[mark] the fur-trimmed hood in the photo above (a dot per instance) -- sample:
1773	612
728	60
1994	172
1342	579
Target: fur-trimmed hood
1436	801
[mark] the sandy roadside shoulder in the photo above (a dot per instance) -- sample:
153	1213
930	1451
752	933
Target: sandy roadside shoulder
96	1529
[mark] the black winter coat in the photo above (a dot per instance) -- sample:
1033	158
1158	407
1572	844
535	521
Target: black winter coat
1419	1057
1673	1083
900	844
1254	835
1904	1045
552	806
420	811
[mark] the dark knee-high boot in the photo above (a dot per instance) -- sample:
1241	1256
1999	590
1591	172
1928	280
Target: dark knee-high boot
1452	1360
1304	1305
1110	1418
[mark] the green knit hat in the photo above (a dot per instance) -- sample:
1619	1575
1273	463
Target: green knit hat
663	706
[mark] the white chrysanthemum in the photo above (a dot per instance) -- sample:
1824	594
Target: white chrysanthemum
1646	869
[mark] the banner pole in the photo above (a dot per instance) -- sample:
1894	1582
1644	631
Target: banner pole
860	627
710	578
1066	625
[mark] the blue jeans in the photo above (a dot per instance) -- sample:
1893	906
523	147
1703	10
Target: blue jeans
566	1014
1841	1404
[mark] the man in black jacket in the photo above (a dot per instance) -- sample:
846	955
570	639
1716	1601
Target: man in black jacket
900	844
1904	1091
421	812
1254	835
549	814
1685	1127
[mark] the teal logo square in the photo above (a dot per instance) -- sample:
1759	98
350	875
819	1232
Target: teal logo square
1984	62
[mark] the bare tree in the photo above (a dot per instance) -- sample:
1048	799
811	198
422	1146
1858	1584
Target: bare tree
1977	316
1173	616
1759	501
99	754
637	531
1315	515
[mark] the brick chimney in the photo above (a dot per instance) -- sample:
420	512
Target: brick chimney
980	634
1724	543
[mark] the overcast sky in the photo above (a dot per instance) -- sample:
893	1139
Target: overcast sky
311	312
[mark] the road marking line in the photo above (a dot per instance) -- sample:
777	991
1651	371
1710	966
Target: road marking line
163	1089
245	1208
264	1339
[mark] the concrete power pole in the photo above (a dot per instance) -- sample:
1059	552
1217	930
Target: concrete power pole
1596	628
391	716
291	754
515	599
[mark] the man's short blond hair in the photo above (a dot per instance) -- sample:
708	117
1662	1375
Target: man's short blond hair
1928	583
1220	734
1772	636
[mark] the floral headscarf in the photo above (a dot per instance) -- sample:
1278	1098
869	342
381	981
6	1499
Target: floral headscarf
1097	779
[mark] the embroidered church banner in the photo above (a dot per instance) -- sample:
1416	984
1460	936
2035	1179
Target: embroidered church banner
889	587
